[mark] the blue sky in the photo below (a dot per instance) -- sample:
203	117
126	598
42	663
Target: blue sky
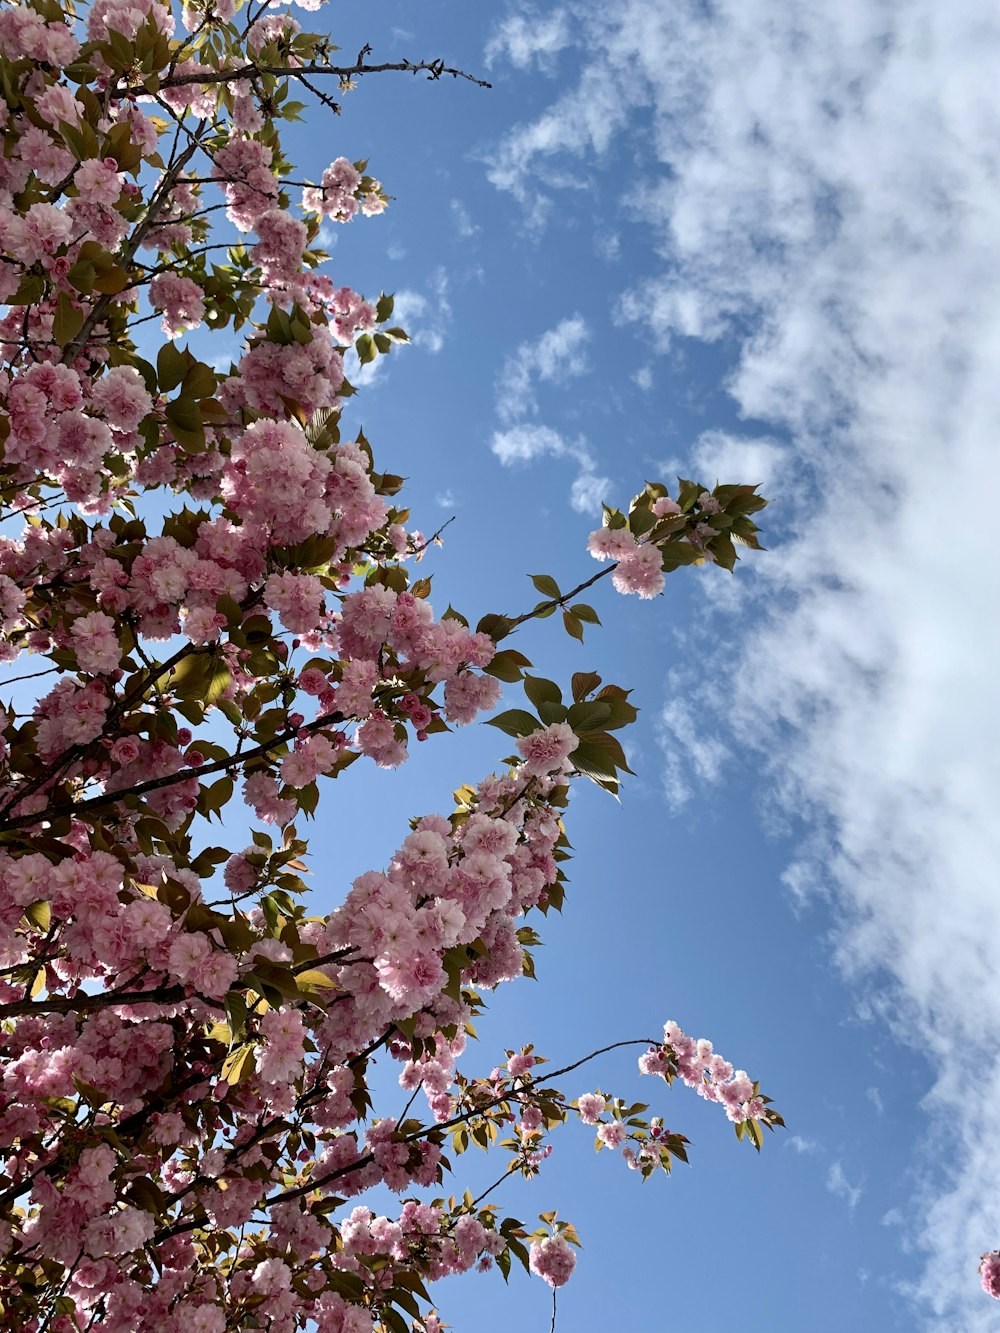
757	242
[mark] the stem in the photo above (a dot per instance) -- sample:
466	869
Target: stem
85	1002
433	68
555	602
170	779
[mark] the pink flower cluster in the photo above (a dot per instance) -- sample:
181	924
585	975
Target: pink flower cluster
989	1273
553	1260
547	750
638	564
55	433
702	1069
269	374
339	194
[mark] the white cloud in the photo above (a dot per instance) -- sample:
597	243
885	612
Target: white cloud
608	245
529	39
425	317
556	356
221	361
462	219
875	1097
687	749
718	454
800	1144
643	377
589	491
838	1184
527	442
826	197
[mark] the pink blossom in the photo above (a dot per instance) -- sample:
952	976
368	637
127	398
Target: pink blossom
297	598
989	1272
553	1260
96	642
591	1107
180	300
98	182
640	571
612	1135
281	1057
610	543
547	750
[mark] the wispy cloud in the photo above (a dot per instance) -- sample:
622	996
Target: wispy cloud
528	39
462	219
529	441
800	1144
556	357
825	197
838	1184
425	315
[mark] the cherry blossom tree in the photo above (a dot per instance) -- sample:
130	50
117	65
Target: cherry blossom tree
210	595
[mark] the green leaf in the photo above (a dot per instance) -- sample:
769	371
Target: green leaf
212	800
184	418
588	716
508	665
366	349
68	321
515	722
610	747
171	367
81	275
584	683
497	627
551	712
201	677
724	551
238	1065
200	381
590	760
541	691
572	626
40	916
315	979
546	585
675	554
640	521
110	280
586	613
